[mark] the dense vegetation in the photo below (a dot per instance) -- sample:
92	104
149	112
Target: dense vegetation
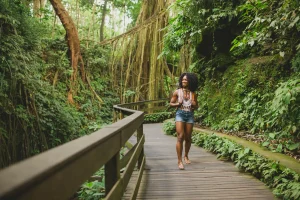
246	54
35	76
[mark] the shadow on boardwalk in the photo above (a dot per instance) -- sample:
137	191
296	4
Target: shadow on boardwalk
206	178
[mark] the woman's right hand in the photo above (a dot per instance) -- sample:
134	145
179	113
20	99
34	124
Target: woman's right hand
179	103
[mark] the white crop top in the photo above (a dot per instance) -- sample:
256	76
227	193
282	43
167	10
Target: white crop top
186	104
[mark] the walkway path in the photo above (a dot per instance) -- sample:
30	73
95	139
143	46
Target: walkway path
206	178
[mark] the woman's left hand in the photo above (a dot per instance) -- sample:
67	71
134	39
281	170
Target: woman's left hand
194	103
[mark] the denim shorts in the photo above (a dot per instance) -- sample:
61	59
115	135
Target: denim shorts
184	116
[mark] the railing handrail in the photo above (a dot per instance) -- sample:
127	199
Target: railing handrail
141	102
52	174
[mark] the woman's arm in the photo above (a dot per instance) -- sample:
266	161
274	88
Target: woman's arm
173	102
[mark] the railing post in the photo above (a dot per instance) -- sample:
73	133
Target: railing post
121	115
115	115
112	172
139	136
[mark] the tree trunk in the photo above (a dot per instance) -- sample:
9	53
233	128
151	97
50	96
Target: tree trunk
54	24
73	44
185	59
37	6
152	67
91	26
104	9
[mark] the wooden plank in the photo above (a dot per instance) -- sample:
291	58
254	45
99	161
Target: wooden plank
95	178
140	134
138	182
142	103
127	156
206	178
204	197
112	172
117	191
132	162
131	127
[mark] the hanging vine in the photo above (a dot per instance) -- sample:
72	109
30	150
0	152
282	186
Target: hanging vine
137	55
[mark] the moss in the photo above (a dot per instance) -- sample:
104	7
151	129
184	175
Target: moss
221	94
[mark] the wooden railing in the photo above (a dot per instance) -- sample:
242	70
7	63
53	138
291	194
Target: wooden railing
59	172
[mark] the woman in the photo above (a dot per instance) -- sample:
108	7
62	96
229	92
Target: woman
185	99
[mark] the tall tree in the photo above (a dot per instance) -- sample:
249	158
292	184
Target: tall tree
104	10
151	70
38	5
140	48
73	44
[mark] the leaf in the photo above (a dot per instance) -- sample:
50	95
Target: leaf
273	23
279	148
251	43
247	150
265	144
294	128
272	135
293	146
294	22
287	98
98	194
281	53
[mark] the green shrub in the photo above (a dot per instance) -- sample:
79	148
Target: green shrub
169	127
157	117
93	190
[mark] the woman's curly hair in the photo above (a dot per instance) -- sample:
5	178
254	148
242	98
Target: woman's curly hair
192	80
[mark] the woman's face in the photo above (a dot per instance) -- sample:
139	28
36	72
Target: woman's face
184	82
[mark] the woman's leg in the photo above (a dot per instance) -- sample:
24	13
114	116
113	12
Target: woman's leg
188	141
179	144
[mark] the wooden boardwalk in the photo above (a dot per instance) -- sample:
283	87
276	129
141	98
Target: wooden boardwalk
206	178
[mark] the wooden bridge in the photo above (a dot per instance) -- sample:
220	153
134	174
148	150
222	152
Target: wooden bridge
59	172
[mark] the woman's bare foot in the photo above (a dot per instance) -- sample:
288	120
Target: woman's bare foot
187	160
180	166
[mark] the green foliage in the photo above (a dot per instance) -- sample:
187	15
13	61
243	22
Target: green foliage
28	111
248	97
282	118
296	62
93	190
243	97
269	24
284	109
35	76
194	18
157	117
133	10
285	182
169	127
